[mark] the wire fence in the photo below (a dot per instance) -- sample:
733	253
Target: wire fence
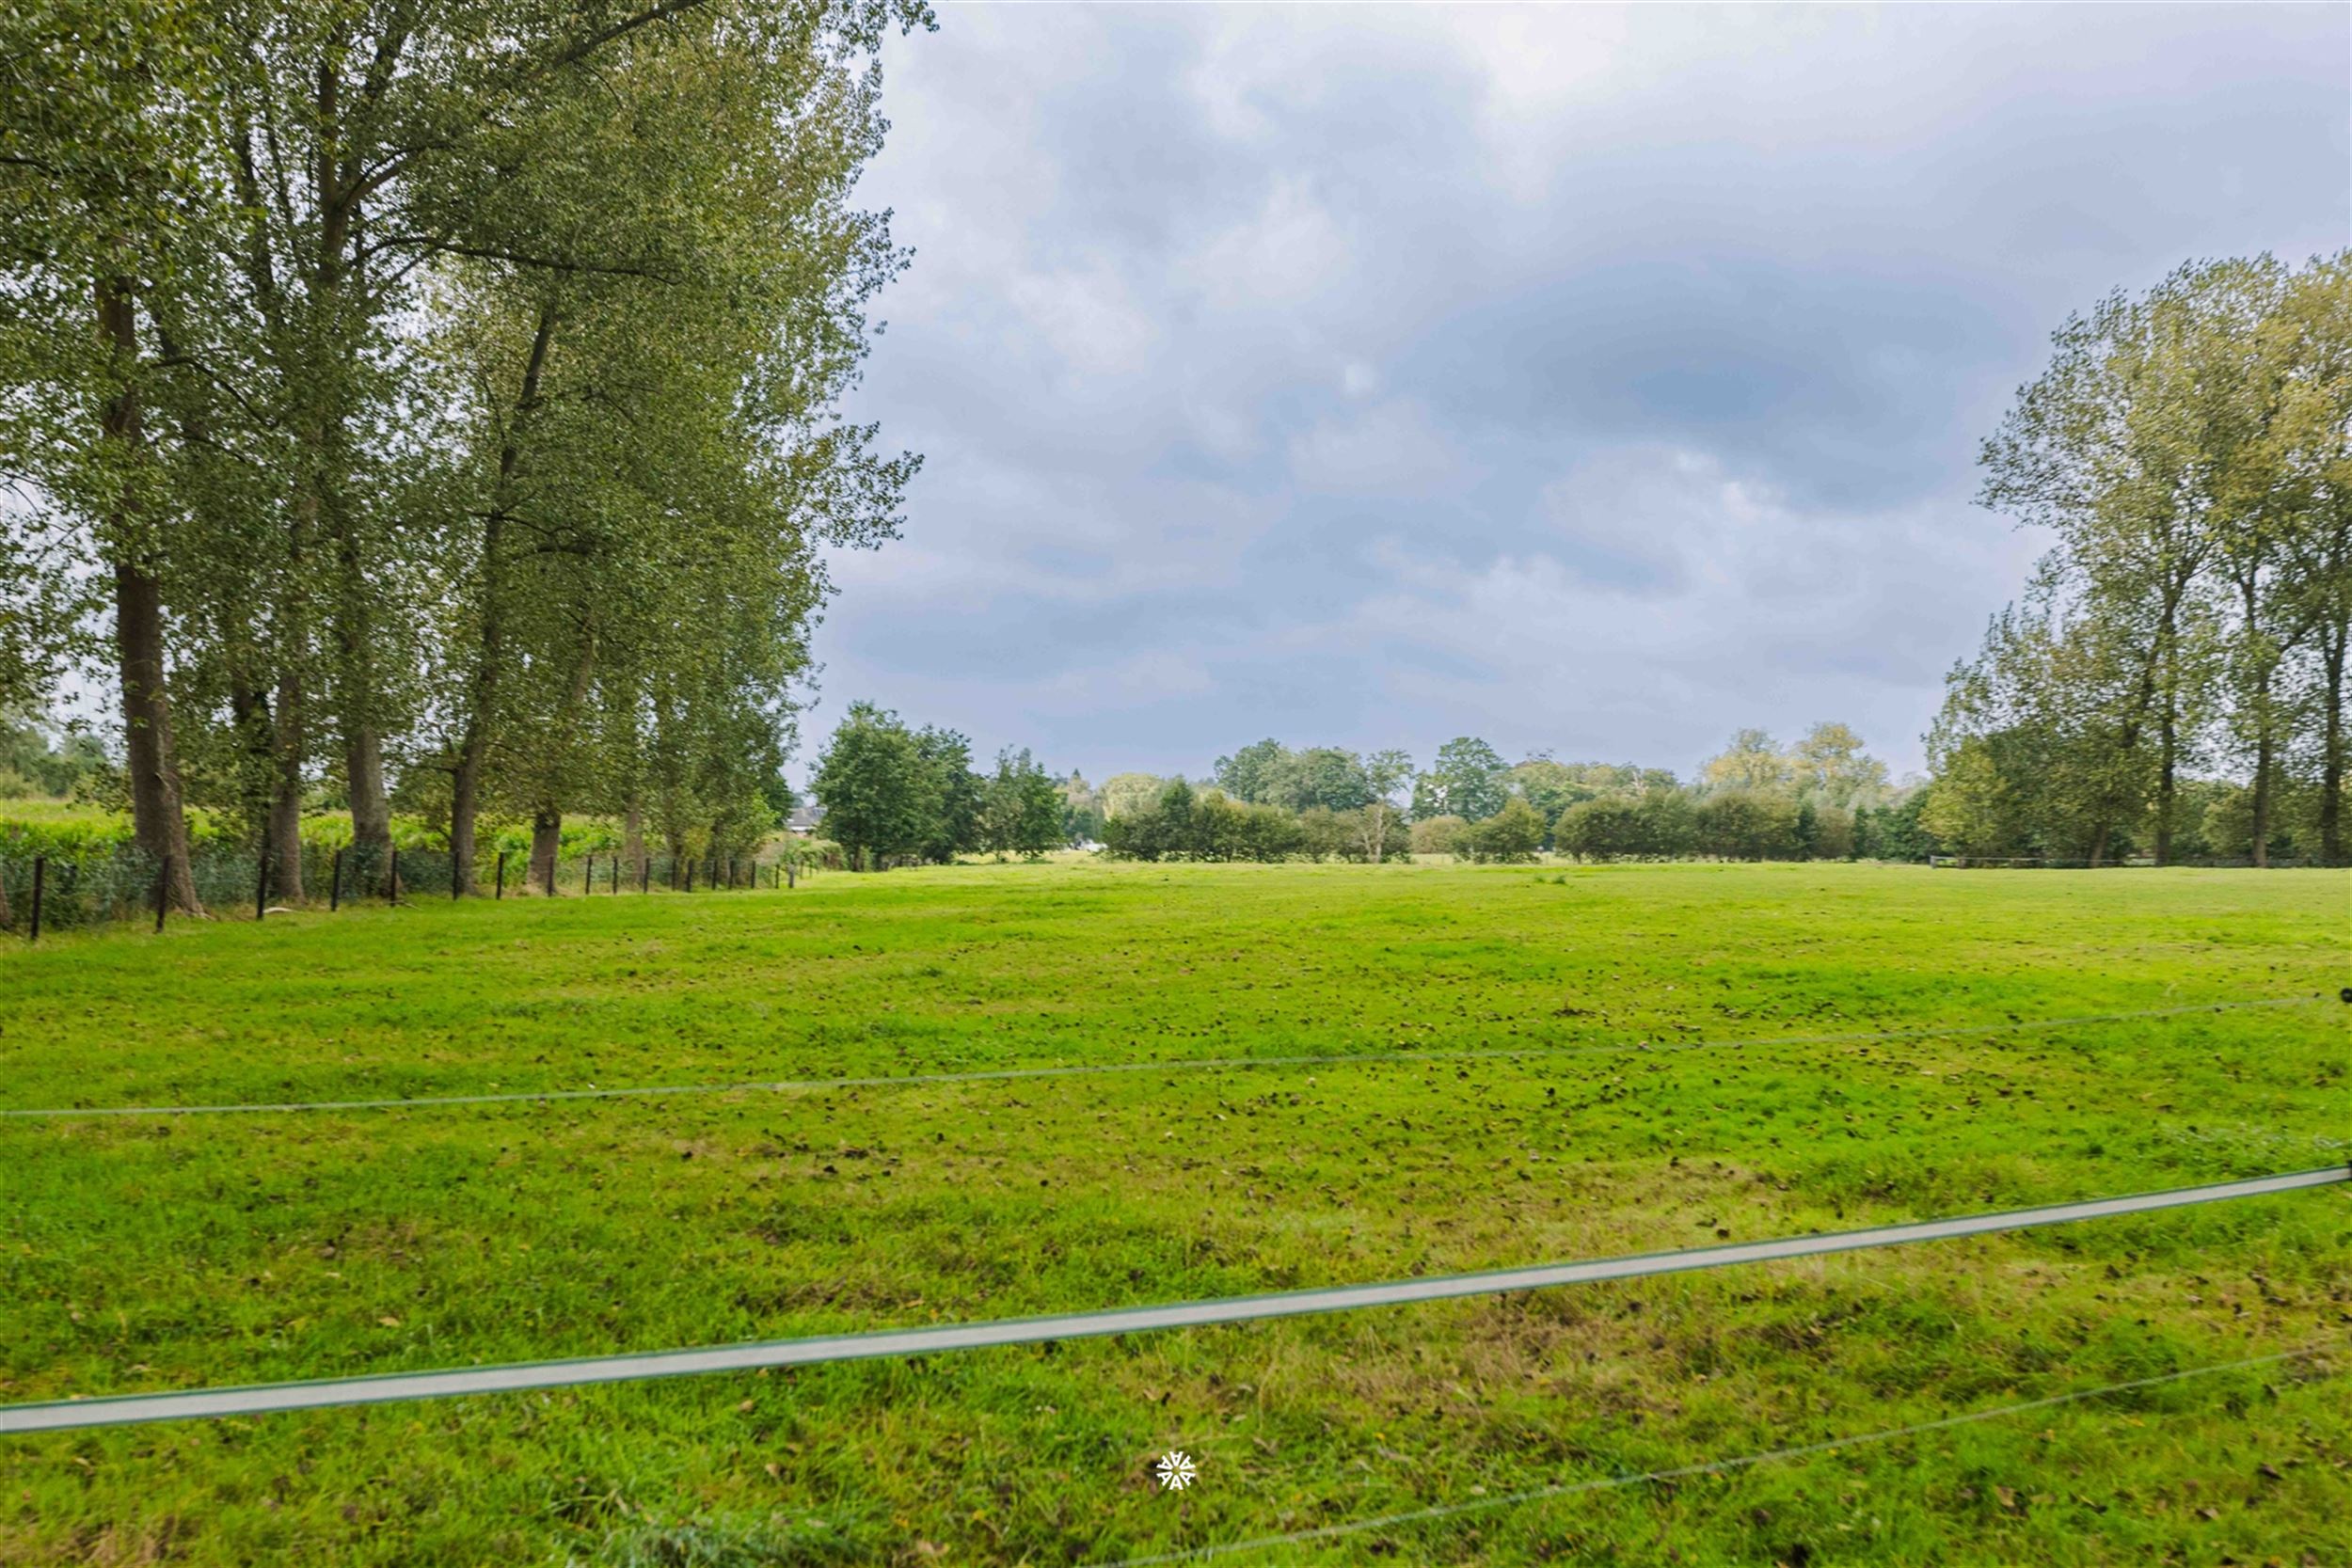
899	1343
120	884
1706	1467
2128	863
1320	1061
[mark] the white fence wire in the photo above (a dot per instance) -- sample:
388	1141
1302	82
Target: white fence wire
1172	1064
207	1403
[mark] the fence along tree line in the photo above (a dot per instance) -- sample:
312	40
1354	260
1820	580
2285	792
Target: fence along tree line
436	401
41	890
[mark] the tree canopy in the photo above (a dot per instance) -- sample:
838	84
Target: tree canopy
437	399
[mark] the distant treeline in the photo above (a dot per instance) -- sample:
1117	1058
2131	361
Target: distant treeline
1821	799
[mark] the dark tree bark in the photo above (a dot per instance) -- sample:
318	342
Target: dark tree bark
2331	745
283	836
152	758
489	655
547	842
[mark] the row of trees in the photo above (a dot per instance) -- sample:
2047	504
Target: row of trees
895	795
431	403
2173	680
1183	823
1822	796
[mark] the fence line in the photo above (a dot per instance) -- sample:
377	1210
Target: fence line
212	1404
986	1075
115	883
1711	1467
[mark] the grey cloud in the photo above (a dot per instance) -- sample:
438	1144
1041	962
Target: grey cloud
1594	380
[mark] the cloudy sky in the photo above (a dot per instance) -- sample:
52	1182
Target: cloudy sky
1585	380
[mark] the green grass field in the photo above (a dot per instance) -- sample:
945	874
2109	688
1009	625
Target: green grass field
148	1255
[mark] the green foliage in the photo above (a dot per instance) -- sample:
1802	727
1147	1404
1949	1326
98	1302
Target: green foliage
33	761
961	824
1745	824
1609	828
881	794
1124	794
2189	448
458	382
1023	809
1252	773
1464	781
1438	835
1513	834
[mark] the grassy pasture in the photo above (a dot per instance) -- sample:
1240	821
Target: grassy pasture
147	1254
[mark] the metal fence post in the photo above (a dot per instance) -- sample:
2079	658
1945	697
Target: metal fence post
501	892
616	874
645	873
41	875
335	884
452	871
553	855
588	877
162	890
260	887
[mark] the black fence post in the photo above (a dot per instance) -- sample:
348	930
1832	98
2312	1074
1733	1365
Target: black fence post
162	890
391	882
616	874
553	855
335	884
41	875
261	888
453	872
501	892
645	873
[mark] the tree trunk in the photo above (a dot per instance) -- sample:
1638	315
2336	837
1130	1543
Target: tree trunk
489	656
249	720
371	811
2167	787
152	758
547	842
464	810
283	837
2331	752
2262	793
356	690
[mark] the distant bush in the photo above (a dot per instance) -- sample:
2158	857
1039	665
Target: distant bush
1438	835
1513	834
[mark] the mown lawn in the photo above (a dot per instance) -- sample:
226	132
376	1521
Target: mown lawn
153	1254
